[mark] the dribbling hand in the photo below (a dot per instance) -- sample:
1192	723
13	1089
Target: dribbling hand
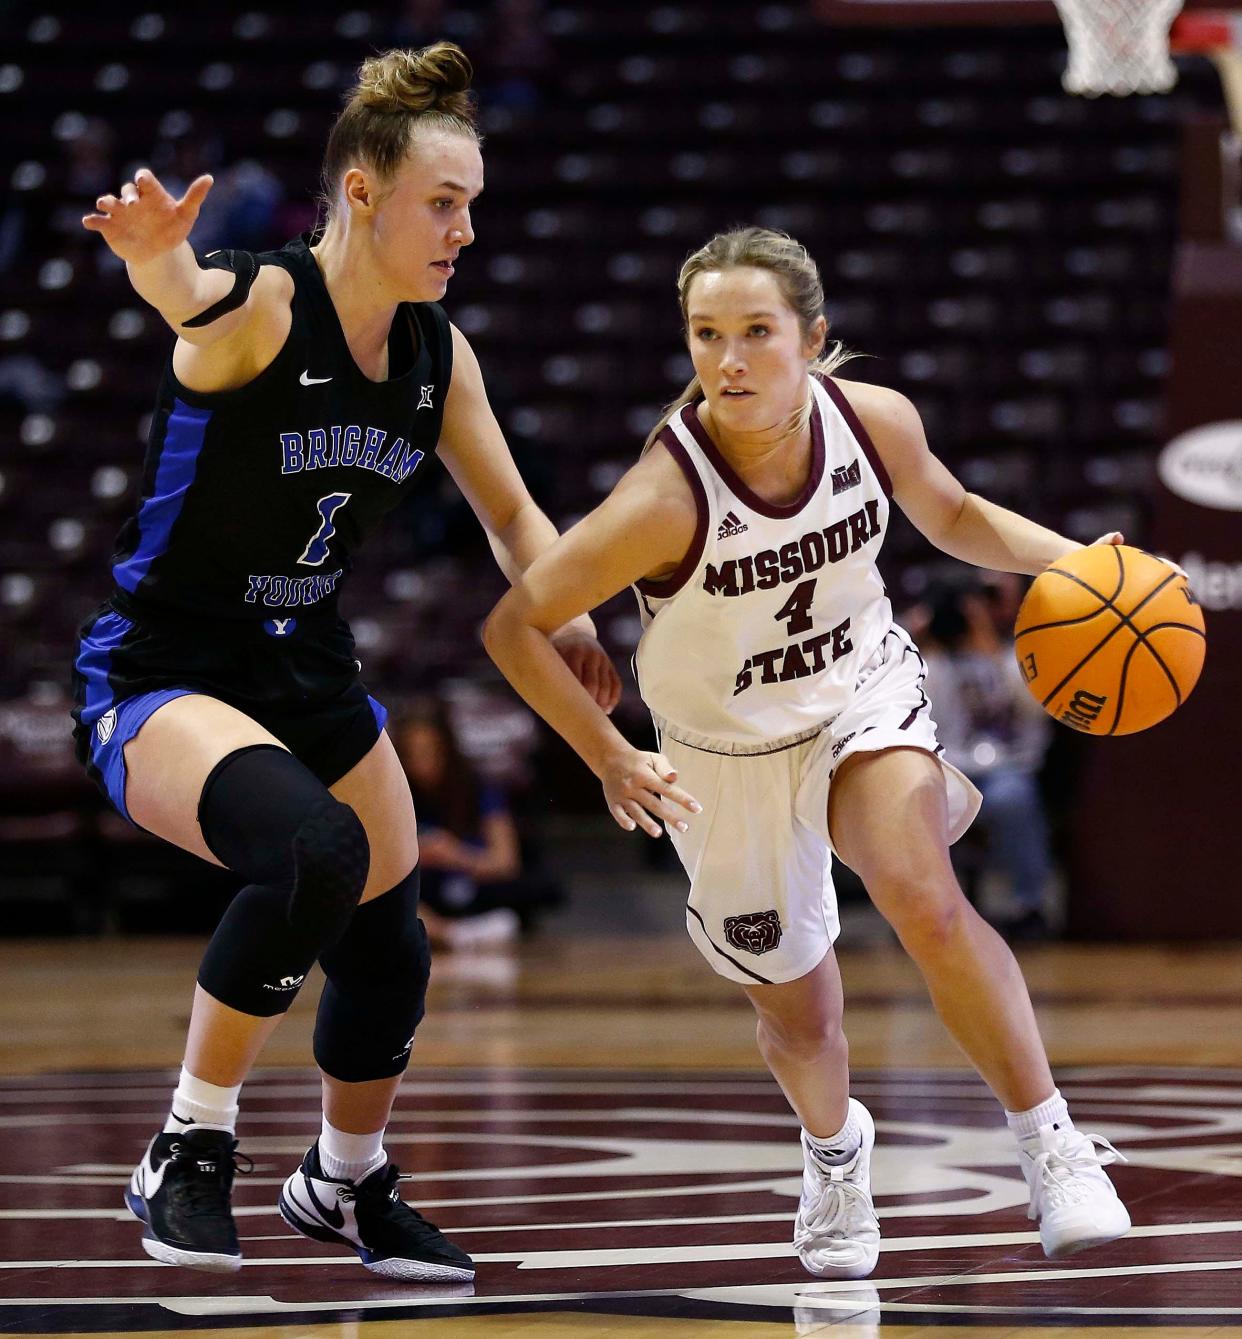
144	221
1116	537
639	789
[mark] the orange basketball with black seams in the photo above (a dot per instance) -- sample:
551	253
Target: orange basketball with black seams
1110	640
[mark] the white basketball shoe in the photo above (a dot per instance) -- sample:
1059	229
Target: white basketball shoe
1071	1195
836	1232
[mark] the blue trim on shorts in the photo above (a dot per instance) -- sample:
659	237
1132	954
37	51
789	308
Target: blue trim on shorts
184	435
111	725
108	755
380	712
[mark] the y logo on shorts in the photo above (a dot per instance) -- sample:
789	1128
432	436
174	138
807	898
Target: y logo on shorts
755	932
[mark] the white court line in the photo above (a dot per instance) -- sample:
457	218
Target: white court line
928	1242
475	1116
218	1306
659	1192
230	1306
689	1254
1195	1111
749	1087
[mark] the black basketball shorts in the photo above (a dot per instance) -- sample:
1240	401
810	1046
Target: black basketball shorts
298	679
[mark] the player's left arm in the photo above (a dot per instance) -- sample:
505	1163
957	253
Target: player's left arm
475	453
961	524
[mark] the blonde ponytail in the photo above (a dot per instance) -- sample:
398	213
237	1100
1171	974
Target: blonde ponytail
692	393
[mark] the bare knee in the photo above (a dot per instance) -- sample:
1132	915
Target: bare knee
928	916
806	1040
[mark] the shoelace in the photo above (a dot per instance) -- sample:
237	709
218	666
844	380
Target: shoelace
380	1194
206	1191
1056	1170
830	1214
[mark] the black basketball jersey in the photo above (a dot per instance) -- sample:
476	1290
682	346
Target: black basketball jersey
254	500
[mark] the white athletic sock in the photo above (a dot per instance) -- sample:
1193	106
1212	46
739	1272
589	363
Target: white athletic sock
1027	1124
196	1102
350	1157
840	1147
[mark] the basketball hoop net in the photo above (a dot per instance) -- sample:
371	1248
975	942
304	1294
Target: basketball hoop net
1118	46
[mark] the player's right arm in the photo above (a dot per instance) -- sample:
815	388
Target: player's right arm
642	529
149	230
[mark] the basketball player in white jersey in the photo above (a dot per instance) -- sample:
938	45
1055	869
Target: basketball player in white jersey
793	723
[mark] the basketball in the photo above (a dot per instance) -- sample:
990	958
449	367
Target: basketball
1110	640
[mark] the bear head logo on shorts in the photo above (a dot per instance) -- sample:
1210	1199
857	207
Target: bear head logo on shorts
756	932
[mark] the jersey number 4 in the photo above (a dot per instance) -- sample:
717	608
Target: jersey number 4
317	549
797	609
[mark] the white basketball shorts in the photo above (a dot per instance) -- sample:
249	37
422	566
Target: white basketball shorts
761	908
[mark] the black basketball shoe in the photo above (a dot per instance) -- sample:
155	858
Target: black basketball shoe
180	1191
371	1218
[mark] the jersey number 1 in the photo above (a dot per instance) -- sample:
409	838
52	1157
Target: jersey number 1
317	549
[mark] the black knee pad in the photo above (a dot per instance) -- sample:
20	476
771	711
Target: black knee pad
266	816
376	989
256	961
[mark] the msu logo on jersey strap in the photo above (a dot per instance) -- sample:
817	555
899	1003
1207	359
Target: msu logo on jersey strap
755	932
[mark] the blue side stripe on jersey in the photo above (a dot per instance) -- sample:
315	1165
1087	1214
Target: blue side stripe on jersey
183	442
94	663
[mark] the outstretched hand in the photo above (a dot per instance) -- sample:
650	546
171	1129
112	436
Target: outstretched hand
144	221
639	788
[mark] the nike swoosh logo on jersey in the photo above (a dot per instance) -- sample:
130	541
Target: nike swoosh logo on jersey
307	380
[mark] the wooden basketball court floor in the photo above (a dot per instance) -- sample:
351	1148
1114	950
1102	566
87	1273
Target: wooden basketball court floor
589	1119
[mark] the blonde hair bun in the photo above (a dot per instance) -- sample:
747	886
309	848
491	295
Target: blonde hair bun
398	92
434	79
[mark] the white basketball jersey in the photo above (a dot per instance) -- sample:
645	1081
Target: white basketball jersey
759	636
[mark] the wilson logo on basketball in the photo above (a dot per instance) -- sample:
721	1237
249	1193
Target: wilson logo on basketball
1084	710
756	932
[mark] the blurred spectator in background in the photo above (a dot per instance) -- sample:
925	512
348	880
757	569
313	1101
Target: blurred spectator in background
517	55
474	889
418	23
996	733
242	209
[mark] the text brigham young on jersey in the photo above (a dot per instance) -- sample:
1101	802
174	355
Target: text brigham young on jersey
325	448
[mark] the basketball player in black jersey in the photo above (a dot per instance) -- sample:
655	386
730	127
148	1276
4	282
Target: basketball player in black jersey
217	695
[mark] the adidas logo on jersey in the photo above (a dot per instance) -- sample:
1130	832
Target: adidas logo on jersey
846	476
731	526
